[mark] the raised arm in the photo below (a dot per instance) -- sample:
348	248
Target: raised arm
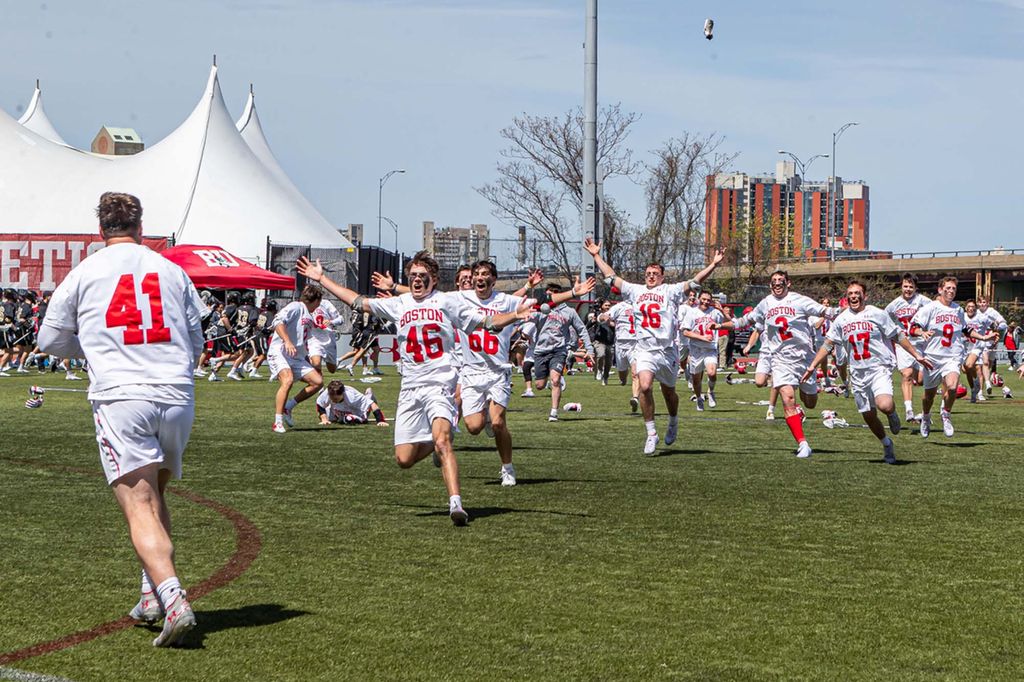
577	290
533	279
315	272
594	249
706	272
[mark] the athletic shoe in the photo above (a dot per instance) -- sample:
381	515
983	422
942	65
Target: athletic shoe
349	370
894	423
711	400
508	476
926	425
213	376
1006	392
377	372
846	391
981	397
634	404
552	417
693	397
458	515
604	382
988	388
947	425
4	374
528	393
670	435
909	416
287	414
700	404
769	416
890	452
148	610
233	375
198	372
178	622
21	370
804	451
70	376
254	374
367	371
651	443
279	428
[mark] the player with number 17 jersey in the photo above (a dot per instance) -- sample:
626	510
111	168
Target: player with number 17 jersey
426	334
866	336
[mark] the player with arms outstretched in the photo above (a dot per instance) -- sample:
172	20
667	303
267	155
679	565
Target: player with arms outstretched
136	318
426	321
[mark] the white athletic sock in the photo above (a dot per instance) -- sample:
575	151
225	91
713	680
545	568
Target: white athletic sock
167	591
909	405
554	412
507	467
455	502
279	419
147	585
650	428
290	404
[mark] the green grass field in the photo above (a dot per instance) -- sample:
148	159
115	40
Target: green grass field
722	558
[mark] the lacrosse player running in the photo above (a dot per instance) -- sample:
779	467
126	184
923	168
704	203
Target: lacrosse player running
865	333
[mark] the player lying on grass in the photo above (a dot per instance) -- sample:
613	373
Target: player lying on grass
426	321
865	332
341	404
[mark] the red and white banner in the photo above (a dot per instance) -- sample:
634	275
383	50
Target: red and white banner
41	261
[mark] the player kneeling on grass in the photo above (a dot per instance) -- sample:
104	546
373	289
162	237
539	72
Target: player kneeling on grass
135	317
341	404
865	333
426	321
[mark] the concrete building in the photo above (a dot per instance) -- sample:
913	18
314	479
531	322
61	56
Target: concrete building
455	246
786	216
353	232
117	142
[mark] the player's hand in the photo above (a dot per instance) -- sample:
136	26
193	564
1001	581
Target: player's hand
534	278
927	334
719	257
1020	371
925	362
382	425
708	338
383	282
289	349
385	294
715	326
807	375
525	308
312	270
324	422
746	350
593	248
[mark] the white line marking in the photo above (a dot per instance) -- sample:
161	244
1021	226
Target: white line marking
16	675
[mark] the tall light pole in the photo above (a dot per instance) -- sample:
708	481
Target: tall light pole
802	166
834	194
394	226
591	207
380	198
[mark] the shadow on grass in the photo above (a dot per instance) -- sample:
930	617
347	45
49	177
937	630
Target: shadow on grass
483	512
527	481
256	615
869	460
676	451
490	448
947	444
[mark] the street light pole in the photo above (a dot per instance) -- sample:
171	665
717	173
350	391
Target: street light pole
394	226
803	166
591	204
834	194
380	198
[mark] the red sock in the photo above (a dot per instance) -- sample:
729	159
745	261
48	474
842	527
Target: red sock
794	422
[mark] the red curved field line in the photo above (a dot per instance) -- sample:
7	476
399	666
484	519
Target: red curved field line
248	543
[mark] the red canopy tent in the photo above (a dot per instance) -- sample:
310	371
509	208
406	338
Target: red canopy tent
211	267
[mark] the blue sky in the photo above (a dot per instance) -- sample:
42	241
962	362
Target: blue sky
349	89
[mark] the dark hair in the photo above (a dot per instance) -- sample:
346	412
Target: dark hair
463	267
311	293
948	278
426	260
554	286
271	304
120	214
654	264
488	265
863	287
780	272
336	390
233	298
970	301
909	277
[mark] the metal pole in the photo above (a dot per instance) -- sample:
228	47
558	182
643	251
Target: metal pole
380	201
834	193
591	207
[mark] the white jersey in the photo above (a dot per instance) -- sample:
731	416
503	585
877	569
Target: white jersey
625	325
682	317
353	402
867	337
656	309
948	323
426	334
321	321
487	351
699	322
787	330
997	323
296	320
137	317
902	312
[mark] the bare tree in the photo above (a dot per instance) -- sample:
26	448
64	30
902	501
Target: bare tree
540	180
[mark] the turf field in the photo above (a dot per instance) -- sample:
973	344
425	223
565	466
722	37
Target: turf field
722	558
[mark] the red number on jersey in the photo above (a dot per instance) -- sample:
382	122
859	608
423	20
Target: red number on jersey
863	352
783	324
123	311
652	316
483	341
947	335
632	326
905	321
420	341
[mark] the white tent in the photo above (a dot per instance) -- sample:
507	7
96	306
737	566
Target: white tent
36	120
202	184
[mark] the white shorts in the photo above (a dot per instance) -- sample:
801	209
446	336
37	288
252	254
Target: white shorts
279	362
905	360
326	350
764	364
976	348
479	387
866	388
624	354
786	374
663	363
132	434
933	377
418	408
702	359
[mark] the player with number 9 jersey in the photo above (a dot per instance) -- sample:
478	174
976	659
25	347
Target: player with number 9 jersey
947	322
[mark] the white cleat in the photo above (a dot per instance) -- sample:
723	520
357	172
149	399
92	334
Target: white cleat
981	397
947	425
1006	392
889	452
198	372
528	393
909	417
233	375
769	416
926	425
894	423
804	451
711	400
508	476
71	376
213	377
148	610
178	622
552	417
279	428
349	370
651	444
458	515
254	374
670	435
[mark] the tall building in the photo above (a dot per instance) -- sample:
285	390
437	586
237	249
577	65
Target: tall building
784	216
455	246
353	232
117	142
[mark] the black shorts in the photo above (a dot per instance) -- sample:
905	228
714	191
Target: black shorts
547	362
259	344
224	345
